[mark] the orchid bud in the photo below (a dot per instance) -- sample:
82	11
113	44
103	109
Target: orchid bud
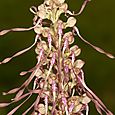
76	50
41	108
45	31
63	7
70	37
85	99
70	22
39	73
77	108
58	2
38	30
79	63
42	12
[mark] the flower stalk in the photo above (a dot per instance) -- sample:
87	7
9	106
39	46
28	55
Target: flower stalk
58	77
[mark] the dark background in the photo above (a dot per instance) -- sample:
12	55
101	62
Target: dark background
97	25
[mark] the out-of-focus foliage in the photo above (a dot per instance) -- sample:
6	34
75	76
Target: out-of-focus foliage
96	25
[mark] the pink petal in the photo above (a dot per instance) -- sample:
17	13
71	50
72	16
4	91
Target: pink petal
6	60
4	104
11	91
23	73
16	108
21	97
4	32
35	91
98	109
20	52
83	7
93	46
19	94
15	29
91	95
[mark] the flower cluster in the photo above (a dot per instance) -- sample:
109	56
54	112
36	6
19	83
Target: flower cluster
58	78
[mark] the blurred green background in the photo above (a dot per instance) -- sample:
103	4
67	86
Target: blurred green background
97	25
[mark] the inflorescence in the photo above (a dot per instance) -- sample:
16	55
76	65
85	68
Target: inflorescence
58	78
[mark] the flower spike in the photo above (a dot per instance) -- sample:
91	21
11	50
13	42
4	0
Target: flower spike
57	79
